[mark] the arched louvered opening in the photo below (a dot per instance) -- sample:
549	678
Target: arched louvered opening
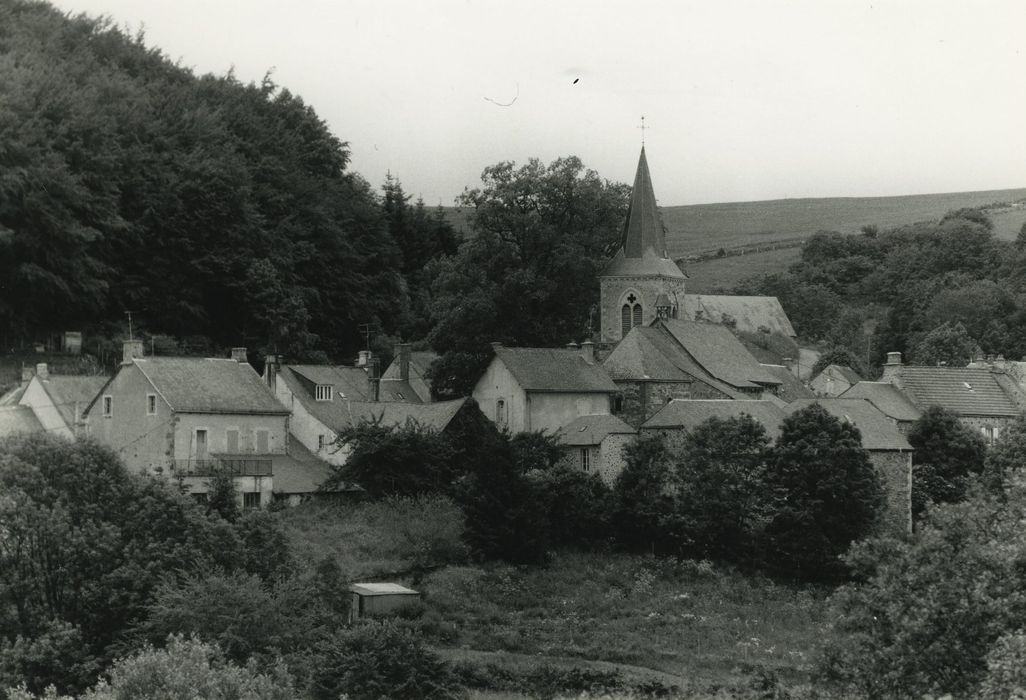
625	320
637	315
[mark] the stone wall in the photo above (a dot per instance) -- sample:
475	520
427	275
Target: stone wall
642	400
990	427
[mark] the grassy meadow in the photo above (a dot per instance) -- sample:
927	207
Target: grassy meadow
647	623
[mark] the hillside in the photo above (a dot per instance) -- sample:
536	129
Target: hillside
702	228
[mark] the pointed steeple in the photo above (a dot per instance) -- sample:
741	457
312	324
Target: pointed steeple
644	229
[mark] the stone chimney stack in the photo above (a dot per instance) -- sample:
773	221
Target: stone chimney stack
42	371
239	355
404	361
363	358
271	365
892	369
588	352
131	350
572	345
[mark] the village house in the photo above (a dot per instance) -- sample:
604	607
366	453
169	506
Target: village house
325	400
889	452
531	389
187	418
984	399
406	378
791	387
18	420
834	380
59	401
595	445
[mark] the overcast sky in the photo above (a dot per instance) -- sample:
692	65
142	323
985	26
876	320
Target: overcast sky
745	100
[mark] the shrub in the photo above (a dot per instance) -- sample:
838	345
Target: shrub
577	505
379	659
1006	668
947	454
645	512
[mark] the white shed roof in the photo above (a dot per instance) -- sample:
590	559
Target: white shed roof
381	589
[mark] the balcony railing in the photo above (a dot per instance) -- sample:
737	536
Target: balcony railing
233	465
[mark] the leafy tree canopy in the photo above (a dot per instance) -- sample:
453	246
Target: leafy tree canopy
946	456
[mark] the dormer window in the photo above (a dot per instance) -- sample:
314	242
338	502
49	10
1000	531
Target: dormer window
323	392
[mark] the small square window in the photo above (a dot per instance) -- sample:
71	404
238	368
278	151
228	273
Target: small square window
151	404
251	500
108	406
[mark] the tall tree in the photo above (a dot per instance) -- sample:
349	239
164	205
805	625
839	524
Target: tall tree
946	456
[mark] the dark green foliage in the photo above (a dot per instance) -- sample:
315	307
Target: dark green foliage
721	488
406	460
455	373
578	505
529	275
204	205
546	682
973	214
645	515
924	613
838	356
1007	456
826	494
947	344
535	450
265	548
811	306
222	496
946	456
375	660
85	545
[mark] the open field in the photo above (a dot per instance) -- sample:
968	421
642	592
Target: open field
720	274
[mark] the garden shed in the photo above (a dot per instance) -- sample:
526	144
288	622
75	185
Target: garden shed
370	599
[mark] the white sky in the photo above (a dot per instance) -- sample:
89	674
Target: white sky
746	100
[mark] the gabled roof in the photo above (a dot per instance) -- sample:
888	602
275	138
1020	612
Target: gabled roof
886	397
298	471
750	313
652	354
554	370
878	433
340	414
68	390
398	390
420	361
842	371
962	390
17	420
791	387
688	414
352	382
206	385
719	352
643	251
592	430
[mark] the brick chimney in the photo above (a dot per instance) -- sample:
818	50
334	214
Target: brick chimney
239	355
42	371
131	350
588	352
892	369
271	365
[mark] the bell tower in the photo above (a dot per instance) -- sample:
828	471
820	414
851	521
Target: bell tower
640	283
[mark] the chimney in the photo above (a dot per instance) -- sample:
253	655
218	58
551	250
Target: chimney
892	369
361	360
375	380
131	350
271	370
404	361
588	352
572	345
239	355
42	371
26	375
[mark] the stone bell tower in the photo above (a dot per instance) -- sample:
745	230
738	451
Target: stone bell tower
640	283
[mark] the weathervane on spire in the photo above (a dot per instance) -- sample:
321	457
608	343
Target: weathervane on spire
643	127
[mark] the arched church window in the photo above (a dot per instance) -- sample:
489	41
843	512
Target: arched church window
625	320
637	315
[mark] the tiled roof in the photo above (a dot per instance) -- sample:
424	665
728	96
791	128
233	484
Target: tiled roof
845	373
420	361
199	385
791	387
719	352
689	414
68	390
647	265
592	430
353	382
341	414
18	419
299	471
750	313
554	370
886	397
878	433
962	390
648	353
398	390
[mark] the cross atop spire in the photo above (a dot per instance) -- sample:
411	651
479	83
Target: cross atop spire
643	127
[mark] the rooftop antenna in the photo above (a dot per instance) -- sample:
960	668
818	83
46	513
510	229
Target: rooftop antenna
643	127
366	329
129	314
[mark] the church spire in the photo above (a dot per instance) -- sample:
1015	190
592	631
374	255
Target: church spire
644	229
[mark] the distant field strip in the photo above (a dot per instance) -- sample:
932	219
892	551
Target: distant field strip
723	274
